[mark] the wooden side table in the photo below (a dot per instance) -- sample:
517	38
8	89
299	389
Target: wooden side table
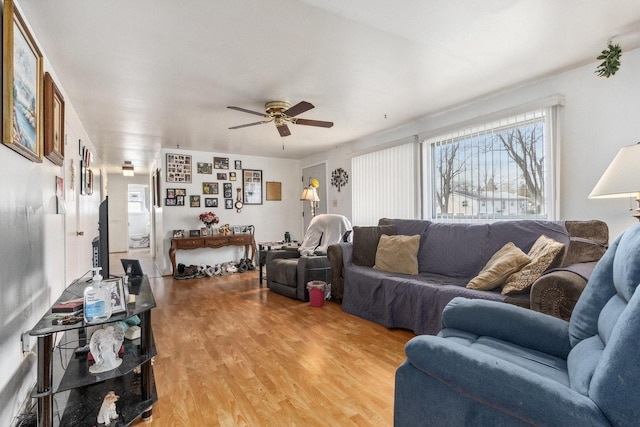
213	242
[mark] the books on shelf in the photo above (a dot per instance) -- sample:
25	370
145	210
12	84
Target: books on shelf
71	306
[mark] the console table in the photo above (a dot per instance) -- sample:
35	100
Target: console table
212	242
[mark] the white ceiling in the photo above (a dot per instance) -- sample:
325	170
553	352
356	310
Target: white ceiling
146	74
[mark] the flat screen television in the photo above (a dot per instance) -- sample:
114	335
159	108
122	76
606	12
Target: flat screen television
100	244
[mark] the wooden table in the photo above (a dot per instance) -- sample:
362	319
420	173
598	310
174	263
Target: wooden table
212	242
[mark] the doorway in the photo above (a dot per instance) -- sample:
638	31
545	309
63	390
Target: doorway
318	172
139	219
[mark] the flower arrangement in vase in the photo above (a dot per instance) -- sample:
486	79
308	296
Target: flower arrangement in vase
209	219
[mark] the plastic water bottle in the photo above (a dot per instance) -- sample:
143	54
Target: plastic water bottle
97	299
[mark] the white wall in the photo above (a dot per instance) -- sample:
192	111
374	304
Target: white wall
118	208
599	117
271	219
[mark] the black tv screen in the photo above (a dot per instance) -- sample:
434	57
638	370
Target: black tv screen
101	243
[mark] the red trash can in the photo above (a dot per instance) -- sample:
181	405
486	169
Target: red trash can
316	293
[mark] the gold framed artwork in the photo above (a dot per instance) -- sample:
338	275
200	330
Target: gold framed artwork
274	190
53	121
22	86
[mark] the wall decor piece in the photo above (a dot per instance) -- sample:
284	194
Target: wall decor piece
60	205
228	203
252	186
221	162
180	200
171	202
204	168
22	86
211	202
222	176
194	233
339	178
228	190
53	121
209	188
238	165
274	190
178	168
177	234
171	193
232	176
89	182
194	201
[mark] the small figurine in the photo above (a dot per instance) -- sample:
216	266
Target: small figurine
108	409
104	346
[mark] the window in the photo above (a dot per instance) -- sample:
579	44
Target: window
499	170
386	183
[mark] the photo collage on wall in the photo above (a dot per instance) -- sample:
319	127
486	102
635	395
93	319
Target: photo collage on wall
219	181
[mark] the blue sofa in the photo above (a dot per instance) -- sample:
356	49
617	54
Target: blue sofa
500	365
449	255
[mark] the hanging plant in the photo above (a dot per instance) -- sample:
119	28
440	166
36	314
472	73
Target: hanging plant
610	58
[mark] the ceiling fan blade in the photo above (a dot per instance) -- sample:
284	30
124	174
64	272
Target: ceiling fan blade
284	130
299	108
249	124
318	123
244	110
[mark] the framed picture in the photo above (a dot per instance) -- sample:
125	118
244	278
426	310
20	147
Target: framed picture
178	234
228	203
228	190
209	188
171	193
236	229
274	190
178	168
194	201
53	122
194	233
22	76
211	202
179	200
221	163
118	302
232	176
203	231
89	181
238	165
252	186
204	168
181	192
222	176
171	202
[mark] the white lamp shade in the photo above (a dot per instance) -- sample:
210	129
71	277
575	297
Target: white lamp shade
622	177
310	193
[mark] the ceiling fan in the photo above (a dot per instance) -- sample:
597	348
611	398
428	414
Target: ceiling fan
282	113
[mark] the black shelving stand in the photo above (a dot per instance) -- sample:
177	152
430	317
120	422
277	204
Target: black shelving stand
68	394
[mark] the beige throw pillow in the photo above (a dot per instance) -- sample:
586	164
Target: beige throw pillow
543	253
398	254
502	264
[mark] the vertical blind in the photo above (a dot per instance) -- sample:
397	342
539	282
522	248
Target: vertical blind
386	183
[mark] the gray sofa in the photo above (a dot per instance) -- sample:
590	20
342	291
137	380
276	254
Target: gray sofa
451	254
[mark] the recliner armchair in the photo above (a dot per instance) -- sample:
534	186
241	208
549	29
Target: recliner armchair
289	271
501	365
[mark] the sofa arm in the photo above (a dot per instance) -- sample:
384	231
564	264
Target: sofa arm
334	254
281	253
557	292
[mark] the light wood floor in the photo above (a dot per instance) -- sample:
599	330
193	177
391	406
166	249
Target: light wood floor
232	353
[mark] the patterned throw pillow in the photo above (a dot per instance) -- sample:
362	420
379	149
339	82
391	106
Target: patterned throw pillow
398	254
544	252
502	264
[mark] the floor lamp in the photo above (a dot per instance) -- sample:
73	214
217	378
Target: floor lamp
309	193
622	177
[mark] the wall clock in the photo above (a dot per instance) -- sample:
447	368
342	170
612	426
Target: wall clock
339	178
239	203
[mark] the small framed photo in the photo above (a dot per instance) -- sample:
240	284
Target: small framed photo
211	202
194	201
228	203
238	165
209	188
171	202
117	295
194	233
177	234
181	192
171	193
221	163
203	231
222	176
53	121
204	168
232	176
179	200
236	229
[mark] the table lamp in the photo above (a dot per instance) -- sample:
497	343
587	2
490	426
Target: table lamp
622	177
309	193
